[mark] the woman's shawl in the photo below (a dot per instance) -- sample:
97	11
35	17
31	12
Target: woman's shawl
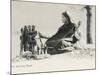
65	31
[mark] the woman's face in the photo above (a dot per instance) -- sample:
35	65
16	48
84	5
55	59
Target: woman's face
64	19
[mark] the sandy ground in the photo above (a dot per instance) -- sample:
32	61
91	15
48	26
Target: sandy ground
75	60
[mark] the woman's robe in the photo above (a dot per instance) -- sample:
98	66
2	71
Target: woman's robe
65	31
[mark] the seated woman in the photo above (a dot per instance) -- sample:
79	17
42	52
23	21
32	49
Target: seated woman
66	32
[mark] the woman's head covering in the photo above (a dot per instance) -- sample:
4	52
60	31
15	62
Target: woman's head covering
66	16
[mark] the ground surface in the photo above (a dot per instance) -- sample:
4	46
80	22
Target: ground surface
75	60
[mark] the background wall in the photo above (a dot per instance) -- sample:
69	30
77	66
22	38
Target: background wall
47	19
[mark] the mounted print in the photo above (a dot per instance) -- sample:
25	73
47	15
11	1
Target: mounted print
52	37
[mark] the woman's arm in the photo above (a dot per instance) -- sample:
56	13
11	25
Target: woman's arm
43	36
